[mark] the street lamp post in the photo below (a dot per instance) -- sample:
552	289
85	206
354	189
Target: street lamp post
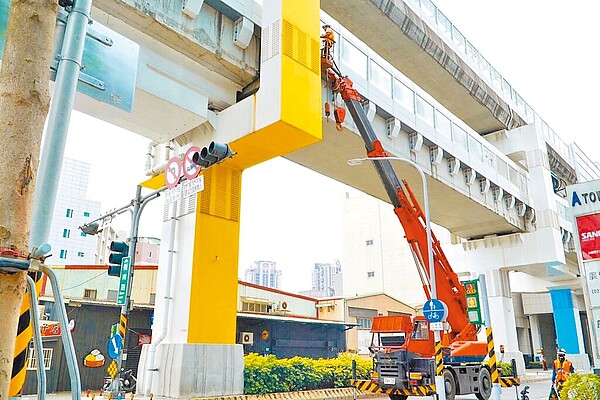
439	380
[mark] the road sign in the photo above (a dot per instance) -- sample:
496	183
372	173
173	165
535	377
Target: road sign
435	310
112	369
124	281
109	62
173	172
115	345
192	186
114	330
190	168
436	326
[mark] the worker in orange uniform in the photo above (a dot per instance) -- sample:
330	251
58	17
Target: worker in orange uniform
562	369
328	41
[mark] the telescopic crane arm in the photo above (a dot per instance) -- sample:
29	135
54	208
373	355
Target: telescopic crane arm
406	207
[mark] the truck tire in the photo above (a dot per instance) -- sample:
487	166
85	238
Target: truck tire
449	385
397	397
484	382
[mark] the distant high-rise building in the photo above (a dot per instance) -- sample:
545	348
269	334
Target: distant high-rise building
327	279
72	210
264	273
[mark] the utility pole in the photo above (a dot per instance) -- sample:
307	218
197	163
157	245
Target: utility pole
93	227
24	104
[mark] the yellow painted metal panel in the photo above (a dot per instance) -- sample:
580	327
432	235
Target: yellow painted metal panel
155	182
213	305
304	14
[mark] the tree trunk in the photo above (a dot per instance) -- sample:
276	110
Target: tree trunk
24	103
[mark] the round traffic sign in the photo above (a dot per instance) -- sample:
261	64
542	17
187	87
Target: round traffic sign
435	310
115	345
190	168
173	172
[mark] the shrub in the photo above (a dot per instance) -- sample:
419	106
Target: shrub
581	387
504	368
268	374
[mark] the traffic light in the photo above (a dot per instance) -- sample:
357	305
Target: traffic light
472	297
119	250
213	154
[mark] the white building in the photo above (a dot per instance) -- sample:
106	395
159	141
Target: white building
327	280
264	273
376	256
73	209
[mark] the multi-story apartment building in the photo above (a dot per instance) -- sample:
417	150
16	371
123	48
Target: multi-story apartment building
326	280
264	273
73	209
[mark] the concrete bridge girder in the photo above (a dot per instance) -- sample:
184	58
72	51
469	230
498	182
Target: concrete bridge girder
419	53
190	97
206	39
175	92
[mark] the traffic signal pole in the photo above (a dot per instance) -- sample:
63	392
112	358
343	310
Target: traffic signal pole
138	206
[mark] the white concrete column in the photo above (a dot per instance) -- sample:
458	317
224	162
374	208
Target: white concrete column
536	336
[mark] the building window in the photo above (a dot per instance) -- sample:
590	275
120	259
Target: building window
66	233
364	323
63	254
149	254
32	360
152	298
251	306
86	214
370	274
112	294
370	242
90	294
80	254
69	213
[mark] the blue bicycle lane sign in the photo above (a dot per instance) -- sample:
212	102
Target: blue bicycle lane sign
435	310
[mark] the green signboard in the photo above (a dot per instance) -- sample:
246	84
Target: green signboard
110	61
114	329
473	301
124	281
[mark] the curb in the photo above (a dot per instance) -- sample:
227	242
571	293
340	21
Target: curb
333	394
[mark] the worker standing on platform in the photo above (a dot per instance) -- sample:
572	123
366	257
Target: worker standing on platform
328	41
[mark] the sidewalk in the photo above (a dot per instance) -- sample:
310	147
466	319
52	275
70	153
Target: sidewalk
536	375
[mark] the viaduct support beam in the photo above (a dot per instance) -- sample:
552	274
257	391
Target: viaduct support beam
283	116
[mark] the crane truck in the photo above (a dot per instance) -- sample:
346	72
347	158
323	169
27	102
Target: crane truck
403	348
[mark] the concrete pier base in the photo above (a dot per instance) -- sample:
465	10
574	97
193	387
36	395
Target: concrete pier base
193	370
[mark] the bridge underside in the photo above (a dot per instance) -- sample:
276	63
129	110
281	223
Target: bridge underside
423	57
449	208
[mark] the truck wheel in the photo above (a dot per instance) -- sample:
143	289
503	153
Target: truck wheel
397	397
484	382
449	385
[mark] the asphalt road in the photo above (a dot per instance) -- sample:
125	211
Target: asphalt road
537	391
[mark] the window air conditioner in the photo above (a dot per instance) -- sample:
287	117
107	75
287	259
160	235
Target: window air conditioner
246	338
